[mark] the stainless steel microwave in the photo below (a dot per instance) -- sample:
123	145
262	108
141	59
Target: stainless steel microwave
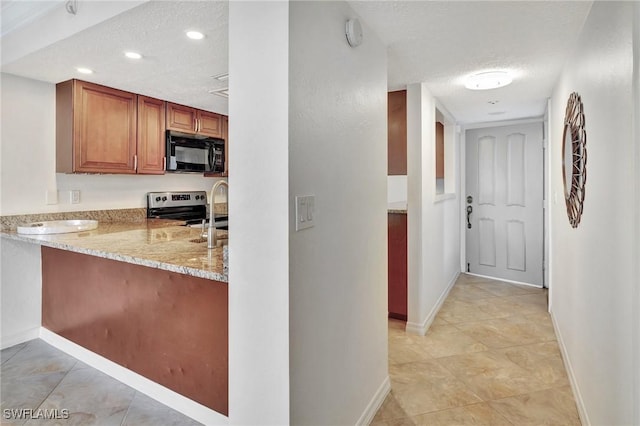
193	153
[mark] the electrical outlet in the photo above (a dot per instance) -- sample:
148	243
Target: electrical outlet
75	196
305	212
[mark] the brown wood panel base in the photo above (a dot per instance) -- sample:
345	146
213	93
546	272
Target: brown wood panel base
397	256
168	327
397	316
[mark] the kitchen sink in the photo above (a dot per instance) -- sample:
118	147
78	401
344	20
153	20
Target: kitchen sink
57	226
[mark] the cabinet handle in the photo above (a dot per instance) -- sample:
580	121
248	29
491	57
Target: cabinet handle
195	124
164	164
135	162
199	125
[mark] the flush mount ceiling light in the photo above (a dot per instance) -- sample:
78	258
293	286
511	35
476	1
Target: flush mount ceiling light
353	31
83	70
132	55
195	35
488	80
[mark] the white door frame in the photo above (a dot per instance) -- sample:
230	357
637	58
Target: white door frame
463	188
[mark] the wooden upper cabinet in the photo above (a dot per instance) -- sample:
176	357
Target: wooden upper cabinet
181	118
209	124
105	130
397	133
95	129
193	121
151	143
224	120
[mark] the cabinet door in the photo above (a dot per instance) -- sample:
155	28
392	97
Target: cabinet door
397	279
104	129
397	133
439	150
181	118
209	124
151	136
224	120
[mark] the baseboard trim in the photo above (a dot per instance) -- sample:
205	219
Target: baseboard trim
503	280
152	389
582	411
421	328
17	338
375	403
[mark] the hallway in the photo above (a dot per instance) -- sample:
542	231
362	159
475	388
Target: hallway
489	358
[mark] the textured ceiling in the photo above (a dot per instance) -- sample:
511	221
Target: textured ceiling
17	13
435	42
174	67
441	42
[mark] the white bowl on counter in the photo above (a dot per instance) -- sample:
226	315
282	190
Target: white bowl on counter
57	226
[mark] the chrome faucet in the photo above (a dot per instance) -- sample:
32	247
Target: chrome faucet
211	232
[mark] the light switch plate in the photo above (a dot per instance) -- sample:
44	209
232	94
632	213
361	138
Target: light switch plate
305	212
74	196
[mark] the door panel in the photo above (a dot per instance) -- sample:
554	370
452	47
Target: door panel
504	180
486	171
516	246
515	170
487	242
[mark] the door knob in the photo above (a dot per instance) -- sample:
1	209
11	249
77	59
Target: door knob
469	211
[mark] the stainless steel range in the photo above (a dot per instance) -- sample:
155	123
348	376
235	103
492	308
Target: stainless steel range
190	206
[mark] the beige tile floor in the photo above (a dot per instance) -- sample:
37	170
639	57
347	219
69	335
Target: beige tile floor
490	358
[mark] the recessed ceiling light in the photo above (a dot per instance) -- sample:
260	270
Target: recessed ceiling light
195	35
221	77
82	70
132	55
488	80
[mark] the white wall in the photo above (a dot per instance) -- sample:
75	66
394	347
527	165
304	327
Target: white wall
259	205
636	255
593	276
20	294
397	188
338	269
433	220
28	161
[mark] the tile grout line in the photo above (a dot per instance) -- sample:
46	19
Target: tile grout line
16	353
122	423
56	386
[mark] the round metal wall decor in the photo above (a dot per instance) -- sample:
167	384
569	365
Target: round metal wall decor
574	158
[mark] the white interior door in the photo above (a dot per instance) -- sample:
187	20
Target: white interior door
504	182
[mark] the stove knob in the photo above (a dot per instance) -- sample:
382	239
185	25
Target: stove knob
164	198
158	198
197	197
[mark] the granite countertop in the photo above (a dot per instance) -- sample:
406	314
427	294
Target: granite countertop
156	243
397	207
